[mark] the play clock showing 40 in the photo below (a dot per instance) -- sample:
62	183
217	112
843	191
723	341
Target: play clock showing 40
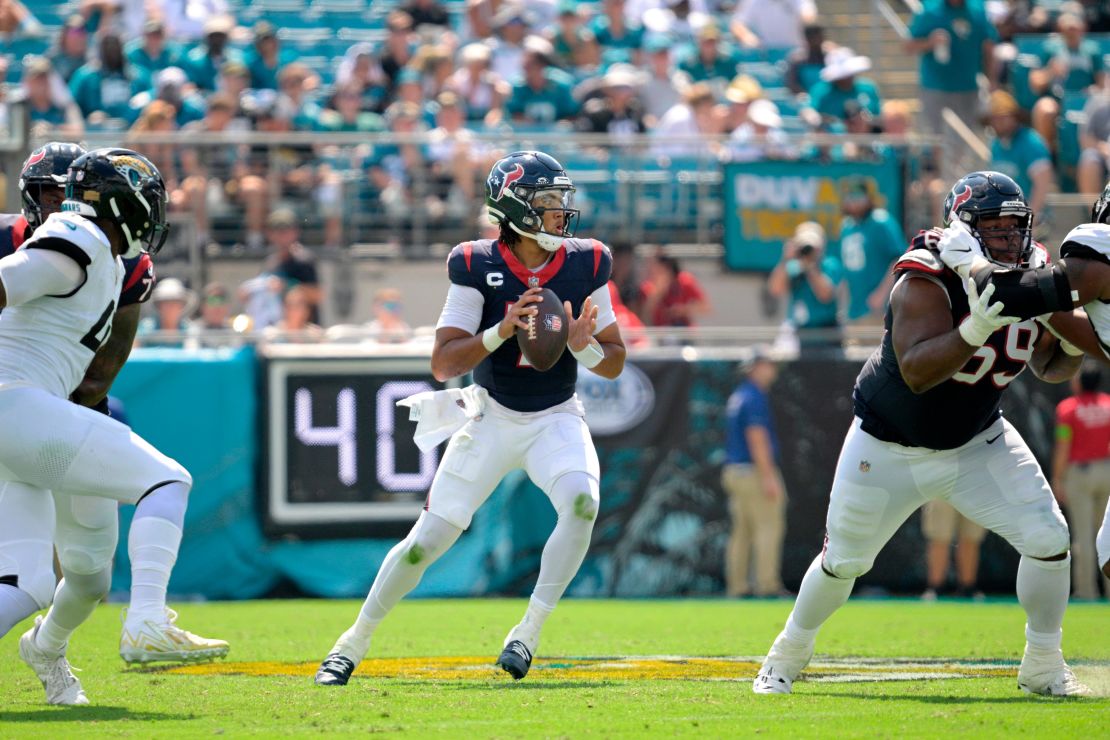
339	450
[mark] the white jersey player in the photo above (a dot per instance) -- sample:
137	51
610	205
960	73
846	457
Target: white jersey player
85	530
58	294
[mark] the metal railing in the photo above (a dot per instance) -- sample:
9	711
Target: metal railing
643	188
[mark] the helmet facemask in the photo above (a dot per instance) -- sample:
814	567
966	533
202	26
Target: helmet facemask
541	202
31	192
1008	244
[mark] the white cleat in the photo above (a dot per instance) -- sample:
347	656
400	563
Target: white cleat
781	666
1044	672
146	640
62	687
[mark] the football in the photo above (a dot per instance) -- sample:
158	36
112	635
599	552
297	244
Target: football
543	342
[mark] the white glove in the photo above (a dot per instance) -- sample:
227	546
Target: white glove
1065	345
984	318
960	250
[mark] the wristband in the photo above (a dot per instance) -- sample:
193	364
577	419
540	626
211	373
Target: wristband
492	339
591	355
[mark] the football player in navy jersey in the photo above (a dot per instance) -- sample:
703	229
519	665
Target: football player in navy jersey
1084	267
928	426
513	416
85	530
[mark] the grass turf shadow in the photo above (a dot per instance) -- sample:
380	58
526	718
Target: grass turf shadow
88	713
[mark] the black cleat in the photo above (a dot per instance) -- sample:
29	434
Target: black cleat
336	670
515	659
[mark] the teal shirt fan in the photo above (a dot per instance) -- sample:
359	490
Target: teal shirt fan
868	246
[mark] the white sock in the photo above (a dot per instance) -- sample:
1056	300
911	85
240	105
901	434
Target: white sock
562	556
152	546
528	631
74	600
1042	589
15	606
400	573
818	597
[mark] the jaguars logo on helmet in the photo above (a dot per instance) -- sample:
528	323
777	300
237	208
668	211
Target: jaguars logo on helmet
511	196
981	195
124	187
45	169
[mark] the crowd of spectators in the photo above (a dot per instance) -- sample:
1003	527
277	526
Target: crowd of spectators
718	80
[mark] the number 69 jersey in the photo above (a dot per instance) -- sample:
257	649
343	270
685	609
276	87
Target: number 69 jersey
951	413
49	341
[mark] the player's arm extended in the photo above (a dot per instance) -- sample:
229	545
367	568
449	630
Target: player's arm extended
1075	328
110	358
929	348
457	351
1051	363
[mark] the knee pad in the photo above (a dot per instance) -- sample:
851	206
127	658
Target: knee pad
88	557
1045	539
167	501
430	538
847	568
576	495
90	586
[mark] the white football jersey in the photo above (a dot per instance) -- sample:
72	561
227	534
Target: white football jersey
49	341
1096	237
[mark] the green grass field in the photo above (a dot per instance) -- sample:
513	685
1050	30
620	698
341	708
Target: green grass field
265	687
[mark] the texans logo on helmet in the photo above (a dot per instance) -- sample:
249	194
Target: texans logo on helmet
509	179
961	197
37	156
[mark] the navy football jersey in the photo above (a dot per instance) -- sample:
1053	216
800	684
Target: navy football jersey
951	413
575	270
14	230
138	280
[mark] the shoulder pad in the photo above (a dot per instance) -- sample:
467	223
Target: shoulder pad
920	260
85	237
1085	239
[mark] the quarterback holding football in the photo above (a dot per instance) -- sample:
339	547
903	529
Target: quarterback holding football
549	289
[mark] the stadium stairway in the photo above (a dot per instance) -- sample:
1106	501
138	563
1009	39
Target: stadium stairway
858	24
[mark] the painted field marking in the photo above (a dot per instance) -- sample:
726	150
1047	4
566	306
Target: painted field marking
629	668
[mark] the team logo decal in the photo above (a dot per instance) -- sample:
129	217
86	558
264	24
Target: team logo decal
552	323
134	169
864	466
533	282
37	156
509	178
961	197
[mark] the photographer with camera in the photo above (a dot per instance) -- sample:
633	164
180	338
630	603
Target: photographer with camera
810	279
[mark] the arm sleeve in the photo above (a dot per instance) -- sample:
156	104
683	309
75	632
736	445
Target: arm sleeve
32	273
1028	293
463	309
604	302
